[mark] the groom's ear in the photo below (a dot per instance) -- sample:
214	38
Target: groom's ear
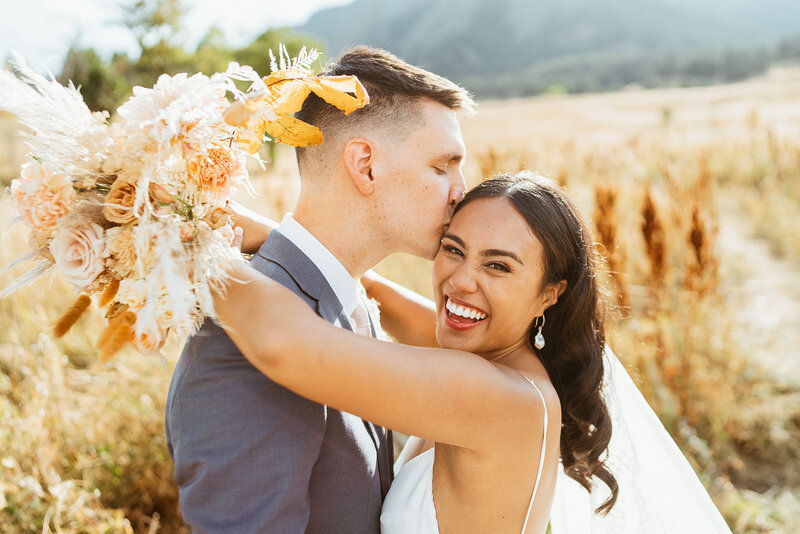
359	153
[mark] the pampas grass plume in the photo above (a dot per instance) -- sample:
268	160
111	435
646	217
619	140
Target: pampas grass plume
116	335
109	292
72	315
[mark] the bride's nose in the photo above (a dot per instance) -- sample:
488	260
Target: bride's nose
463	279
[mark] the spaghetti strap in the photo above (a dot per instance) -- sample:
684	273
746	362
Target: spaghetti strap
541	456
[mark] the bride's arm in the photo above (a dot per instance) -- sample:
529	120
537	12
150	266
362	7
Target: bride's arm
409	317
455	397
256	227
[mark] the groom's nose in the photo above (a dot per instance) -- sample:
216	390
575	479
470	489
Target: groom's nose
457	188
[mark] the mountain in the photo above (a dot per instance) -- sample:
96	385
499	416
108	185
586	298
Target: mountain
475	40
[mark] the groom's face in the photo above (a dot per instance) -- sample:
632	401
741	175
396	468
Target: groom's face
421	181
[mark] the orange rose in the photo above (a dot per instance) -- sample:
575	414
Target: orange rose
119	202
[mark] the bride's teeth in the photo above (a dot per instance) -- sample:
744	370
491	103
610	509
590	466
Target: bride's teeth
468	313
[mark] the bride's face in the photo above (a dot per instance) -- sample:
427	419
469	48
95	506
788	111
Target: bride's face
489	267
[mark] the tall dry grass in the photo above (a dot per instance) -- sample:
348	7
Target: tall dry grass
83	446
655	214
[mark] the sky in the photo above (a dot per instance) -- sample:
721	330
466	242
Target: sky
41	31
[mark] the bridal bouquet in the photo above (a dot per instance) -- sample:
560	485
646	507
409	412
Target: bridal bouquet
134	211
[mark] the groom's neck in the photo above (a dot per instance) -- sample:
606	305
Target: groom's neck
345	231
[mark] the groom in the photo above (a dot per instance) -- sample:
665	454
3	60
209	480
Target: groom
251	456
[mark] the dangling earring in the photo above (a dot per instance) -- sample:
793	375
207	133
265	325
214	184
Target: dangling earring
538	341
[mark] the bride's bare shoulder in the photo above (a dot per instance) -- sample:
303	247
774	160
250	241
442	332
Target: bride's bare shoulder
548	391
535	373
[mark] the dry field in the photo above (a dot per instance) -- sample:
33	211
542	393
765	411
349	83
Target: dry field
694	195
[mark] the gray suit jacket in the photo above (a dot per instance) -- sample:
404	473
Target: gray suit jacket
251	456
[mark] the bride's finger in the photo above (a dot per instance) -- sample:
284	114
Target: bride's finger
238	237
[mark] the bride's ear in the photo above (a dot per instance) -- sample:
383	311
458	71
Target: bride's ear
554	291
359	154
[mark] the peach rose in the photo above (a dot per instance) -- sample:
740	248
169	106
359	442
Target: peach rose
218	217
43	196
187	231
162	193
148	341
119	202
79	252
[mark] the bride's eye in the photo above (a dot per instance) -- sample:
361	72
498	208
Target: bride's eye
440	171
450	249
498	267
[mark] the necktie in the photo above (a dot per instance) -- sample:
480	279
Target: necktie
360	319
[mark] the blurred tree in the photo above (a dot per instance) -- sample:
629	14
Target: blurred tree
153	21
157	25
789	48
212	54
101	85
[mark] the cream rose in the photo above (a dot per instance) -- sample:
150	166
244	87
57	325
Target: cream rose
122	249
132	293
42	195
79	252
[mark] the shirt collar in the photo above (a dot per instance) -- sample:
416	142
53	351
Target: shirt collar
343	285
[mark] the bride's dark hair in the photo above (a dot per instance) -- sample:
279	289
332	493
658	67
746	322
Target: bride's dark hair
574	332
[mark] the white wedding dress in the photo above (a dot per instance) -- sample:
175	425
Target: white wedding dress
659	492
409	507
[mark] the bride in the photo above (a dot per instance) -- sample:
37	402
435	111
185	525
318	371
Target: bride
512	401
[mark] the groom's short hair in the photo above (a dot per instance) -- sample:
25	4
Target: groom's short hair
396	91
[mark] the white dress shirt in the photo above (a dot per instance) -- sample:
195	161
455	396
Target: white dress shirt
344	286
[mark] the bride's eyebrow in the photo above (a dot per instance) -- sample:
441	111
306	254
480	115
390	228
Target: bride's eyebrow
487	252
498	252
453	237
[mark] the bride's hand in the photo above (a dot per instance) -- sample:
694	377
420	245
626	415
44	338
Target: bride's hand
238	237
255	227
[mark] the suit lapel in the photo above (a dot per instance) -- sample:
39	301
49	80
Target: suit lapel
279	250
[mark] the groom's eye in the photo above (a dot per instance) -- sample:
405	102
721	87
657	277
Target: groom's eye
440	171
